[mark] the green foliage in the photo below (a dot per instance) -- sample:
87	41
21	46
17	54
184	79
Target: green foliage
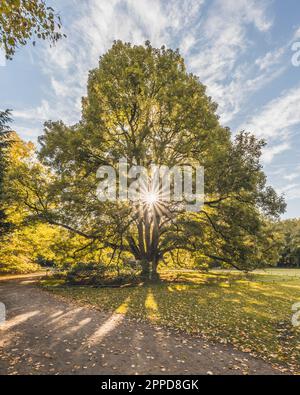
26	242
31	240
99	274
86	274
22	249
20	20
5	142
290	232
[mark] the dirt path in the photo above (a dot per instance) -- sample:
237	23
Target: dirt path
46	335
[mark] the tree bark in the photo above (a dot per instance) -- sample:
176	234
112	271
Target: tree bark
154	274
145	270
149	271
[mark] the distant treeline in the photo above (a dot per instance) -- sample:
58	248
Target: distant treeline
290	231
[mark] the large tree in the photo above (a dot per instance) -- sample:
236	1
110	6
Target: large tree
143	105
21	20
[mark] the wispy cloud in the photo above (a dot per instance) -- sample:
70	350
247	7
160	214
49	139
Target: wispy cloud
272	150
297	34
291	191
276	122
278	117
270	59
223	45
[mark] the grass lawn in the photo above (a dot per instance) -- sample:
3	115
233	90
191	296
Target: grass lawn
252	312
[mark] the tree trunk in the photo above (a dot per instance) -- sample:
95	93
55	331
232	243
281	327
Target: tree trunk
145	270
154	274
149	271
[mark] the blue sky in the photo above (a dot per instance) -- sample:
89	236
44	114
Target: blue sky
240	49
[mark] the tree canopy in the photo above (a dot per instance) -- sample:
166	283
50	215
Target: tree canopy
143	105
21	20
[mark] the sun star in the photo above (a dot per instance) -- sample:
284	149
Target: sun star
151	198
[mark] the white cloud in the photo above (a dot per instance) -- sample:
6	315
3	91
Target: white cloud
291	177
294	193
67	109
270	59
276	123
225	35
271	151
40	113
297	34
291	191
187	43
251	11
60	88
28	133
278	117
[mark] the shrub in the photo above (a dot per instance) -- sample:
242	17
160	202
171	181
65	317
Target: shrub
98	274
86	274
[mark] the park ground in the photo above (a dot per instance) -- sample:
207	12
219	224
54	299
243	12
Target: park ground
191	323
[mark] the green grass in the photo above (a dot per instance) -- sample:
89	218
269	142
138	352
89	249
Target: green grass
252	312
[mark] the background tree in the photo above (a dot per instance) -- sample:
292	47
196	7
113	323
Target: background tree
23	242
21	20
5	142
144	106
290	233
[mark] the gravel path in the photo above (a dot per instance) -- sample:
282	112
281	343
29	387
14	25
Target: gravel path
44	334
